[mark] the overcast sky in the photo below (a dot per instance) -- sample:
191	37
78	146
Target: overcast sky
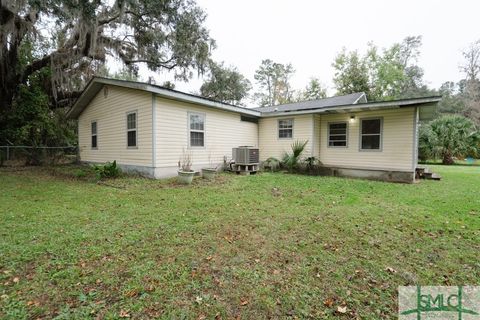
309	34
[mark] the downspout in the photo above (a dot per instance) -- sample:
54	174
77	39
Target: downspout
154	132
313	136
415	139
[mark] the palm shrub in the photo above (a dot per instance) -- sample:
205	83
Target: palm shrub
447	137
291	160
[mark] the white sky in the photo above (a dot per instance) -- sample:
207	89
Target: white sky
309	34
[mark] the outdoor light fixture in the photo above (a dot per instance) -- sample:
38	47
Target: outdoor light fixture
352	118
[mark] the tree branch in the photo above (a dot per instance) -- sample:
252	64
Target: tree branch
35	66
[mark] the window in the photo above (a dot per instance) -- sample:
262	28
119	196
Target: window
197	129
285	129
371	134
337	134
94	135
132	129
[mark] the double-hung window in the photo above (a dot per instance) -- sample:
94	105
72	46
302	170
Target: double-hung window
132	130
196	128
94	134
337	134
371	134
285	129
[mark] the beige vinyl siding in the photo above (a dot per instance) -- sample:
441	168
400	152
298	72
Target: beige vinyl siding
316	136
397	141
273	146
223	131
111	116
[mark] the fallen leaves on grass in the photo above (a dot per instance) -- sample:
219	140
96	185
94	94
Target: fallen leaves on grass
330	247
244	302
328	302
124	314
33	303
132	293
276	192
391	270
342	309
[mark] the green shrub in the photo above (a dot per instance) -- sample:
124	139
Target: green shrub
311	162
79	173
272	163
108	170
449	137
291	160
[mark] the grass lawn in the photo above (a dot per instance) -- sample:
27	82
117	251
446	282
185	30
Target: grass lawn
235	248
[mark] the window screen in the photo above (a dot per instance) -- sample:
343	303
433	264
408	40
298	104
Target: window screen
94	134
197	129
132	129
371	134
285	128
337	134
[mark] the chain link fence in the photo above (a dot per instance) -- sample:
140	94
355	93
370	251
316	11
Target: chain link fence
31	155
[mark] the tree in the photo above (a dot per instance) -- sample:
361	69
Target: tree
452	101
471	94
409	53
125	74
225	84
33	123
168	84
351	73
274	81
313	91
471	65
384	74
449	136
165	34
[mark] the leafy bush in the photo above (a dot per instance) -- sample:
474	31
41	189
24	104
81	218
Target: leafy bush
79	173
311	162
291	160
312	165
108	170
448	137
273	164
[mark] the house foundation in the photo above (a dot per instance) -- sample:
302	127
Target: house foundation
379	175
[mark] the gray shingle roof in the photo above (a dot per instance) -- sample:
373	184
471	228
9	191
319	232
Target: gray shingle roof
352	98
348	103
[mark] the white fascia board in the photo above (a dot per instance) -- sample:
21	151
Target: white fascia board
359	107
178	96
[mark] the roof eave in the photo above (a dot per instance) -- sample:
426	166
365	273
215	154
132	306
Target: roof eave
416	102
95	84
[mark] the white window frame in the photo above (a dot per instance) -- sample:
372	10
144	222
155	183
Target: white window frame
189	129
94	134
337	134
278	128
380	134
130	130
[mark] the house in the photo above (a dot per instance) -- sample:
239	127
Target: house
145	128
